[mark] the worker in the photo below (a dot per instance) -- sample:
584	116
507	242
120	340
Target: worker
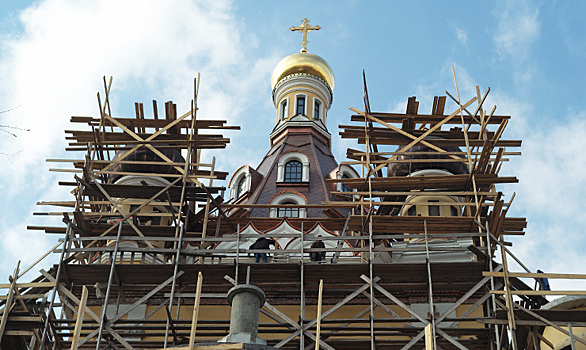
262	243
543	282
317	256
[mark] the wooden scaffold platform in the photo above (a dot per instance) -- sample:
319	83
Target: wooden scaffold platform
150	247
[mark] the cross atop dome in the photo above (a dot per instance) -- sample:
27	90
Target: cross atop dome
305	28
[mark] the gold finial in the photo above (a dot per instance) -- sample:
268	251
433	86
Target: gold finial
305	28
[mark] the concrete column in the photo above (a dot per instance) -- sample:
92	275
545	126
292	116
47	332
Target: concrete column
280	175
246	301
305	173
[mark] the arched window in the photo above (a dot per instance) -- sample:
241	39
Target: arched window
293	171
284	110
412	211
293	167
240	182
288	197
300	108
433	210
345	172
345	187
288	212
316	109
241	189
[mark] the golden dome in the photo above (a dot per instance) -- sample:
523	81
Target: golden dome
303	62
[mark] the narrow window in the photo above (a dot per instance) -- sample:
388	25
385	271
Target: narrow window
300	105
293	171
241	189
288	212
316	109
156	220
284	110
412	211
345	187
454	210
434	209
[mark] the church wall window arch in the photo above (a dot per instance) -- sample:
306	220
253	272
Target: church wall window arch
284	109
301	104
317	109
293	167
293	171
241	188
240	183
345	172
288	212
289	197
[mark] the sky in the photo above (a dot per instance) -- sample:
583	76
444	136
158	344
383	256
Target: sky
55	53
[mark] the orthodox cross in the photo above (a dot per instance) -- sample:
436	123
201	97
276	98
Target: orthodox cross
305	28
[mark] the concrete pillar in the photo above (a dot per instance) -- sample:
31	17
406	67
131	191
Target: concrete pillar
246	301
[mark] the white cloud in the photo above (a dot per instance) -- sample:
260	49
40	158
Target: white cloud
552	186
517	28
26	247
552	174
461	34
53	68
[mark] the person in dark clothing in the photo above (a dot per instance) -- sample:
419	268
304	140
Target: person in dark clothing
543	282
262	243
317	256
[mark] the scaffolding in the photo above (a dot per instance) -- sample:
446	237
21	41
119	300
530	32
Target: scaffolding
150	248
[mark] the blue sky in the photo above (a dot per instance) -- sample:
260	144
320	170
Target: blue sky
53	54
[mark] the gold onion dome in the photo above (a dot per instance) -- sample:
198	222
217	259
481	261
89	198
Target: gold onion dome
303	62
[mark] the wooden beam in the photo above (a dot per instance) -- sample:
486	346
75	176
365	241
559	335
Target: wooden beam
319	299
327	313
79	320
536	275
9	301
396	300
21	297
90	313
195	311
539	292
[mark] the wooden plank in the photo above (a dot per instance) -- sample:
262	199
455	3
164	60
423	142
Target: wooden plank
319	300
79	320
422	118
8	305
30	284
19	333
536	275
21	297
540	292
395	300
232	346
24	318
543	319
327	313
416	140
428	338
195	311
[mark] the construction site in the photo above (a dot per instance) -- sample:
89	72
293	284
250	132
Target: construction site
403	245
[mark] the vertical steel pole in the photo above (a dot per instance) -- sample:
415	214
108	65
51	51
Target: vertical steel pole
571	336
302	296
54	292
370	261
428	263
106	299
176	267
237	252
489	254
